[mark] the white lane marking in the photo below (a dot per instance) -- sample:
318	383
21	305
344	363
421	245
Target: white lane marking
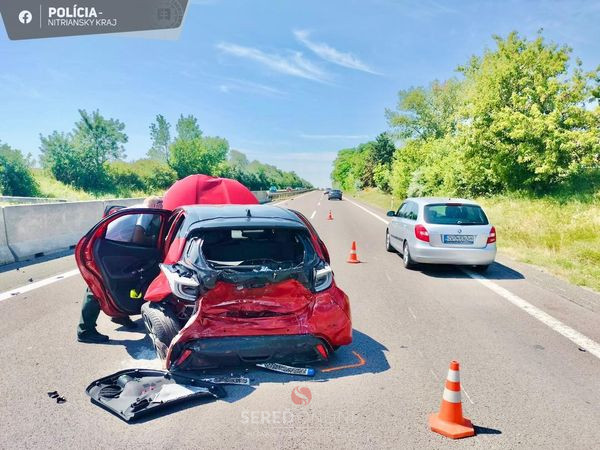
412	313
573	335
312	216
370	212
37	284
467	394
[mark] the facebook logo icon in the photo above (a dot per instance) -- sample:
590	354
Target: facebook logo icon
25	17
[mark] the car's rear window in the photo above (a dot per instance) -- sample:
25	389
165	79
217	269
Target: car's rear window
269	247
455	214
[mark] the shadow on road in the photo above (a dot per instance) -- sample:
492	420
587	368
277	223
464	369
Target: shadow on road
484	430
496	271
34	260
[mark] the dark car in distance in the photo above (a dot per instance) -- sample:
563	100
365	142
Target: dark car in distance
334	193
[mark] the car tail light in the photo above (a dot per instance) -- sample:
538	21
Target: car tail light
185	355
421	233
492	236
322	350
323	277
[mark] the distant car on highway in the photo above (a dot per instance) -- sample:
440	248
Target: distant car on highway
273	189
334	193
441	231
326	191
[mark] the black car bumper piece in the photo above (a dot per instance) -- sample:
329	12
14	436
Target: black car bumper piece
212	353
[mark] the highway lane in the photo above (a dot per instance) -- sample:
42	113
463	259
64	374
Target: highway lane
525	384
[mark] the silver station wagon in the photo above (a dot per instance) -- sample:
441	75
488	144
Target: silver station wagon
441	231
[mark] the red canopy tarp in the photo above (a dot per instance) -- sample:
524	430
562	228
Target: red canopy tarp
207	190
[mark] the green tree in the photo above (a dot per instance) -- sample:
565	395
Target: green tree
526	125
160	134
15	177
80	158
383	149
424	113
203	155
187	128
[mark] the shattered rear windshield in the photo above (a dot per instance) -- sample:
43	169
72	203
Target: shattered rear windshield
264	248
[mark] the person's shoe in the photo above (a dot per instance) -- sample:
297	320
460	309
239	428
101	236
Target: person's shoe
92	337
125	322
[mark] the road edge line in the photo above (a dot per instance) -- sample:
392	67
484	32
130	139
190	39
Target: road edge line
553	323
370	212
36	285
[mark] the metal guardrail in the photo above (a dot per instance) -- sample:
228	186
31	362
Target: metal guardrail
286	194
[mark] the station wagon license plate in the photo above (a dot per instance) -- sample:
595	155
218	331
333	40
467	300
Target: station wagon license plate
458	238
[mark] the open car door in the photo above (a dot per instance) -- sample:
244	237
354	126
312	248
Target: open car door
119	257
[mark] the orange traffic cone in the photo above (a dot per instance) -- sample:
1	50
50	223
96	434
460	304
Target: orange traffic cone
330	216
353	259
449	421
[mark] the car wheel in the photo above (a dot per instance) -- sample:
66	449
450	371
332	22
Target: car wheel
406	258
482	268
388	245
162	326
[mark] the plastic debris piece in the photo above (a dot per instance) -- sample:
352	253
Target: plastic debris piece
228	380
282	368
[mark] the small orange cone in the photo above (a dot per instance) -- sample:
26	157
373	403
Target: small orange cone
449	421
353	259
330	216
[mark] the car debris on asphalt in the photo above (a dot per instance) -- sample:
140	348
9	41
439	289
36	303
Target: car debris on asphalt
282	368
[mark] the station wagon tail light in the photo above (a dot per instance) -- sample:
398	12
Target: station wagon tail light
492	236
421	233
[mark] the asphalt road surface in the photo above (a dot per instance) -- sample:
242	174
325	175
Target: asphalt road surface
527	344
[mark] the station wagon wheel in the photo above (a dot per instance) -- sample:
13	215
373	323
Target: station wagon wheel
406	258
388	245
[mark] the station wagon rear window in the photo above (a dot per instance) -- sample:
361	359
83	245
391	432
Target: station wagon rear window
455	214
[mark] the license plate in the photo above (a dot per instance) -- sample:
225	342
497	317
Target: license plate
458	239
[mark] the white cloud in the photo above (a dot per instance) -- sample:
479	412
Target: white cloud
333	55
334	136
248	87
293	63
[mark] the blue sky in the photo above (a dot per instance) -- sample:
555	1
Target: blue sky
286	82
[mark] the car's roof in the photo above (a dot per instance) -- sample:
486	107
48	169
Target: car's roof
430	200
244	214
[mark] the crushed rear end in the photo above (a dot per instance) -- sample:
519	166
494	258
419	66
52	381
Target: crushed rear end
264	294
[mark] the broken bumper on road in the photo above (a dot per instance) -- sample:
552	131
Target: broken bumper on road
211	353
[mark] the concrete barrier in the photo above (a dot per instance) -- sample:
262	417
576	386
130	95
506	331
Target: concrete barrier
6	255
33	230
262	196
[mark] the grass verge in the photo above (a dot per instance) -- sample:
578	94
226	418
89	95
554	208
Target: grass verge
560	236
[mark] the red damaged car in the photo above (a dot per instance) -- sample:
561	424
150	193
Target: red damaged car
221	285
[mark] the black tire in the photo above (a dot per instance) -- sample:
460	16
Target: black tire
388	245
406	258
162	326
481	268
